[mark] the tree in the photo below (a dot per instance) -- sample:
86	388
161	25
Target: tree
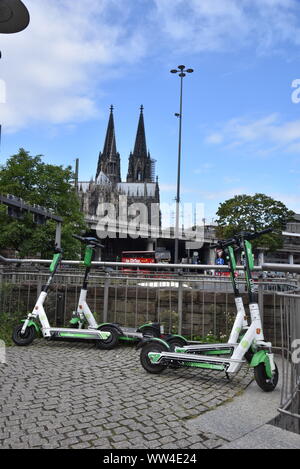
46	185
253	213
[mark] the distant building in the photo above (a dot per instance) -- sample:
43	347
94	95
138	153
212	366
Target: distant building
290	251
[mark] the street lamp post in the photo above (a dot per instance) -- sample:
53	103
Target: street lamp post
182	73
14	17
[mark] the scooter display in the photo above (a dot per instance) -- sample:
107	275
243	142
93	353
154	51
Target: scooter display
83	315
37	320
156	355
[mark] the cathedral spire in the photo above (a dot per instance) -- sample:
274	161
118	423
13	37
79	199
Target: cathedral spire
109	159
140	147
140	163
110	147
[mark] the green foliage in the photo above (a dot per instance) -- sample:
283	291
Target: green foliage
11	312
46	185
170	320
253	213
210	338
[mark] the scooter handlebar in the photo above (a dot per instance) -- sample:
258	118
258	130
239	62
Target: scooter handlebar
223	244
243	235
258	233
247	235
92	241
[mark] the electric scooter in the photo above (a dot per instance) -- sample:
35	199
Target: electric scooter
117	333
240	325
37	320
156	355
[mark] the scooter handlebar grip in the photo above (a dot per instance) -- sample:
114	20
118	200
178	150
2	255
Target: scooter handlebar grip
223	244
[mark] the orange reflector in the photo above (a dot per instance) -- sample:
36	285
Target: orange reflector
258	331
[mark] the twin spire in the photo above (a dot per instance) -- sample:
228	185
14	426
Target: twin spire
140	147
140	164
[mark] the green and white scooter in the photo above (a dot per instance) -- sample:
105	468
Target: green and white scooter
37	320
83	315
240	325
156	355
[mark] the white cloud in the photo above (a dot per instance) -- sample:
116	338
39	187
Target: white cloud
55	70
217	25
204	168
292	201
52	70
214	138
167	188
264	136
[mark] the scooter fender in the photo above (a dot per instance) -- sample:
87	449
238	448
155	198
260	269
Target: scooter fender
154	325
32	323
115	326
262	357
146	340
175	336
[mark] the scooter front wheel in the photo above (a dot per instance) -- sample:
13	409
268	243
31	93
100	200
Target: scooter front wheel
264	382
23	339
112	340
145	360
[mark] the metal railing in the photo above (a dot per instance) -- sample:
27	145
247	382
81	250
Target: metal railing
183	300
289	409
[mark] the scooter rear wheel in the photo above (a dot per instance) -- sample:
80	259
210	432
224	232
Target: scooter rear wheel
23	339
145	360
150	332
176	342
264	382
112	340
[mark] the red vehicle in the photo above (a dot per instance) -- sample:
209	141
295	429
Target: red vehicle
160	256
138	257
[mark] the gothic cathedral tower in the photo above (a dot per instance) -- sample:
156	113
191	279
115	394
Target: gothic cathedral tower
140	167
109	159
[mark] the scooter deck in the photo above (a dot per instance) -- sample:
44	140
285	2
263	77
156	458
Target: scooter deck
209	348
69	333
130	333
157	358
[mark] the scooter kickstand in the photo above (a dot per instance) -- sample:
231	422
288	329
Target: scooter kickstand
227	376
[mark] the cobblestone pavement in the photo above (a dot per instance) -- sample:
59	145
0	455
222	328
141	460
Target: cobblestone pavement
71	395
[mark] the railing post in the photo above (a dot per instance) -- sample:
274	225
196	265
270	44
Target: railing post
261	300
105	299
180	303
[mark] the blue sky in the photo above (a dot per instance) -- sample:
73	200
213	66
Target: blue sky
241	128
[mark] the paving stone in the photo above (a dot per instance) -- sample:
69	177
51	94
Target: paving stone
118	438
81	446
53	398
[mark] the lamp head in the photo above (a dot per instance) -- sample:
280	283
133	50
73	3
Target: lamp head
14	16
